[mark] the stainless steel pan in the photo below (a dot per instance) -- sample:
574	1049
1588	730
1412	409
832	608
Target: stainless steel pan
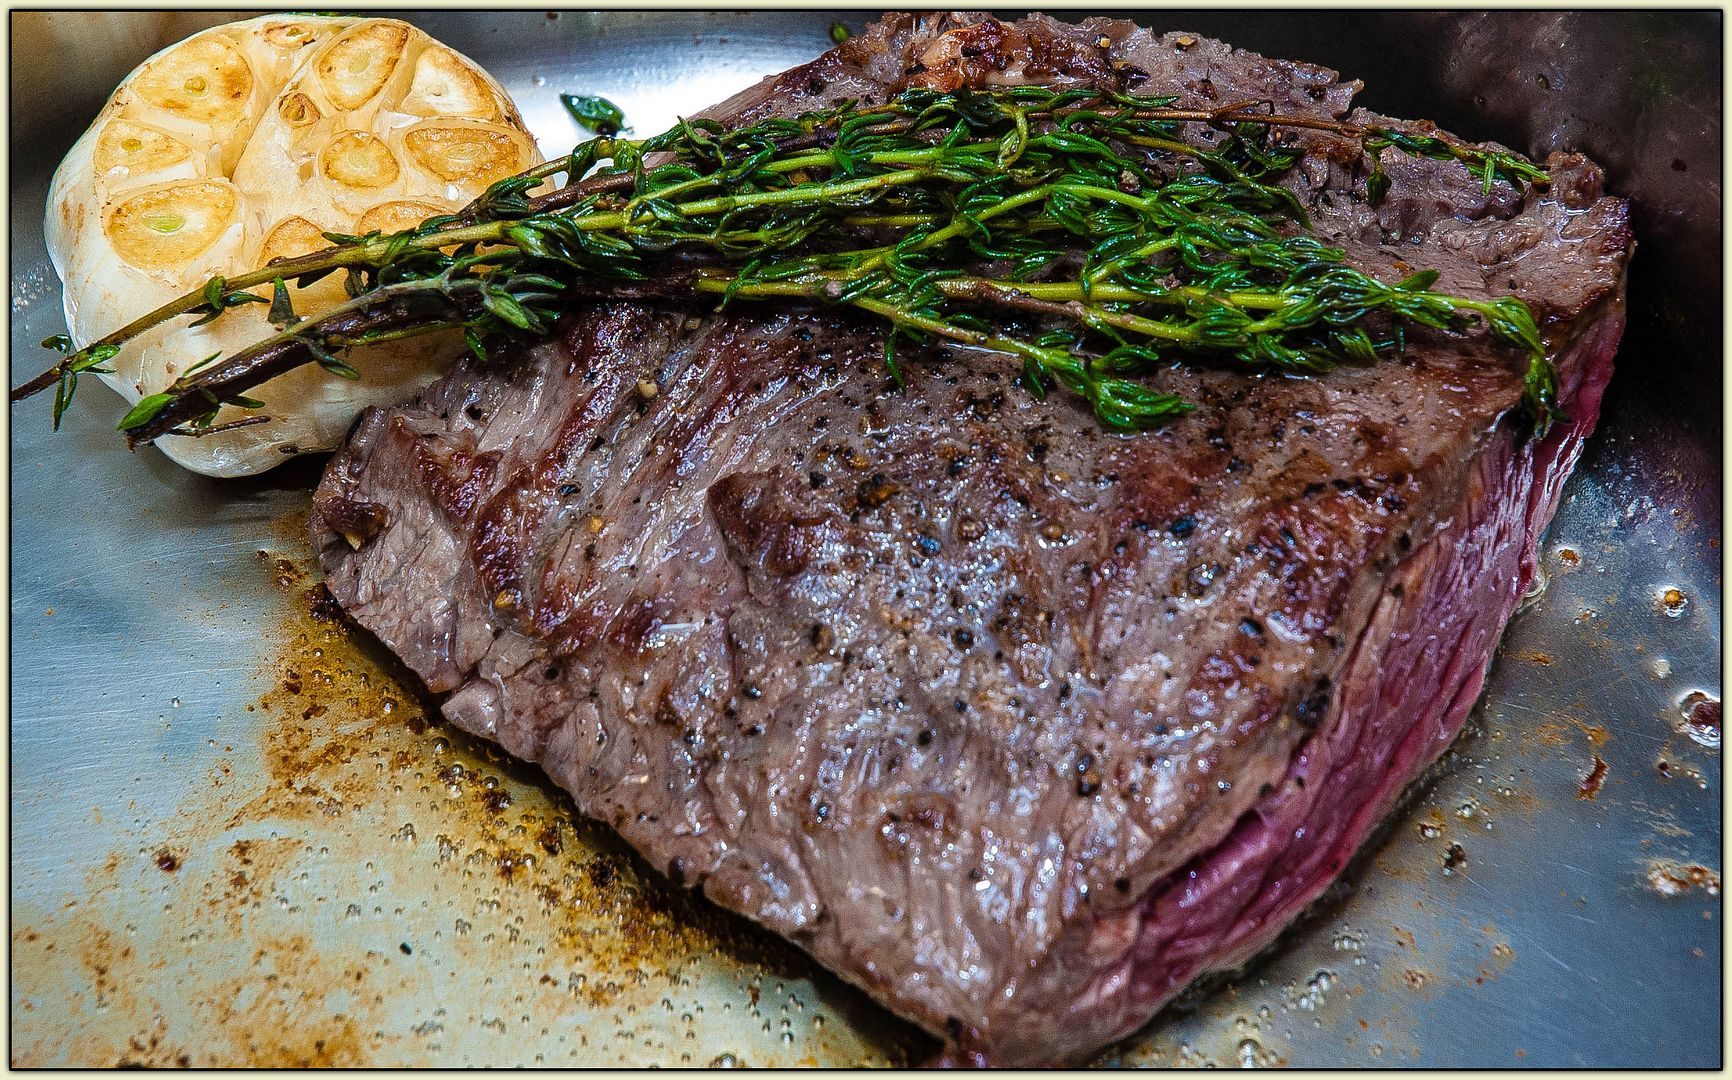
239	838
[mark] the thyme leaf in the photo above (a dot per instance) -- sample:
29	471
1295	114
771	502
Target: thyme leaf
282	313
145	411
596	114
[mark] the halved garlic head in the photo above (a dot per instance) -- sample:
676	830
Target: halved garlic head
248	143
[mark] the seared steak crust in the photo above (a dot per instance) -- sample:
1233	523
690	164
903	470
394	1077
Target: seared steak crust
951	686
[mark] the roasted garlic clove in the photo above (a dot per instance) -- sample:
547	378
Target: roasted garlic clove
294	236
445	85
163	227
139	149
467	153
206	80
357	65
290	35
359	159
395	217
298	110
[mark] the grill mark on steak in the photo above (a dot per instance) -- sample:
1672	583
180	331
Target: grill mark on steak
954	687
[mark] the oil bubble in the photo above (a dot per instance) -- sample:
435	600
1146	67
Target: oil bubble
1670	601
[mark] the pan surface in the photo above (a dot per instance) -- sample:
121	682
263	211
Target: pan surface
239	836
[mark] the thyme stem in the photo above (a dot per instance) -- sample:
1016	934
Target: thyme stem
1089	210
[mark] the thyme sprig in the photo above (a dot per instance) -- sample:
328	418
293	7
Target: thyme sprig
1095	237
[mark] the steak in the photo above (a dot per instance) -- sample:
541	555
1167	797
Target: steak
1017	723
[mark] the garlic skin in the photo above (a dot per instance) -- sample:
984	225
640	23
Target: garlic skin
242	144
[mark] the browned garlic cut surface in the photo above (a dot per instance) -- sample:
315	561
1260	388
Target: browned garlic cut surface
247	143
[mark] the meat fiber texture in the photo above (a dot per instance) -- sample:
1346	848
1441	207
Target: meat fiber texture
1019	724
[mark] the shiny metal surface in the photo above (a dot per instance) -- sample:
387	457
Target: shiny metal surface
237	840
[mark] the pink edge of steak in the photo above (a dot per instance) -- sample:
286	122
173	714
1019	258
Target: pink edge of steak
1018	724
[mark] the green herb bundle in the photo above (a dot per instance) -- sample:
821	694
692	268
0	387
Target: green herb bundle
1095	218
